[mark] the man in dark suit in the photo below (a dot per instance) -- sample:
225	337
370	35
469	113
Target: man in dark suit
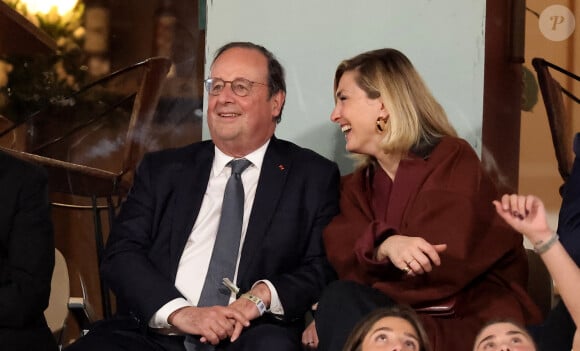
159	250
26	256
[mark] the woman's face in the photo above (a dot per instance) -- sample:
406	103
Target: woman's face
356	114
391	333
503	336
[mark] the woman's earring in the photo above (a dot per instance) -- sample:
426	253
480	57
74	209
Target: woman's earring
381	124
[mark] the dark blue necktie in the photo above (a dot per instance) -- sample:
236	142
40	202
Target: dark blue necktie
225	251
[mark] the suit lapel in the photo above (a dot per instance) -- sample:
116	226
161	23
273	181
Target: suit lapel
275	169
189	186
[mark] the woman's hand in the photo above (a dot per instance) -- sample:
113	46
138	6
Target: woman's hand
413	255
310	337
526	214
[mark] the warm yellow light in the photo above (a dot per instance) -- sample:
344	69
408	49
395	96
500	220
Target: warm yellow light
45	6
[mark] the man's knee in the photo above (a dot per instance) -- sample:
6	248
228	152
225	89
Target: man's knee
113	339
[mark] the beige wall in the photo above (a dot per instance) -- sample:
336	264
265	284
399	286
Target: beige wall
538	168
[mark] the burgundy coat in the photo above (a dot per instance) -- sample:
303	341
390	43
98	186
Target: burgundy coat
446	198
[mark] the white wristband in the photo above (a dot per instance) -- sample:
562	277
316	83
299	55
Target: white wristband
258	301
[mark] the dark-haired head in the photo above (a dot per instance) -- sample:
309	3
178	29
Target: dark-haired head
276	80
499	332
365	327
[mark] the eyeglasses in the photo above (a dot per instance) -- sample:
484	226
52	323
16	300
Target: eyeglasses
240	86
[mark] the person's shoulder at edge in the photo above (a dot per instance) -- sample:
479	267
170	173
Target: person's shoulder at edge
16	166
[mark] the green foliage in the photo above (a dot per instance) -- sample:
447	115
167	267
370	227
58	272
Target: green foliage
30	83
530	91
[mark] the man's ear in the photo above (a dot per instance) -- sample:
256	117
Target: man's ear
277	101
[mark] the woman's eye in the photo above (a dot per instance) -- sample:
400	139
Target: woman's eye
517	340
410	345
381	337
489	346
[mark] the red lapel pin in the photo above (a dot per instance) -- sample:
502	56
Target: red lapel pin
281	167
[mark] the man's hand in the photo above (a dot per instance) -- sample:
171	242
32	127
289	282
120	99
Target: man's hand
211	323
248	308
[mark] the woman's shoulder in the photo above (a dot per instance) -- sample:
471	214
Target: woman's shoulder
455	143
456	150
456	164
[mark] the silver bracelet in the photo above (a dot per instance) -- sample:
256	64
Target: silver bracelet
547	245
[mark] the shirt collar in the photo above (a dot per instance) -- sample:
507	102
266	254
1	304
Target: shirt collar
220	159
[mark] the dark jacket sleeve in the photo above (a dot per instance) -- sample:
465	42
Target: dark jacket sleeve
569	219
130	261
26	244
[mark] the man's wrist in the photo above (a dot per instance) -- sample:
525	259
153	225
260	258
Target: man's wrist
256	300
172	315
262	291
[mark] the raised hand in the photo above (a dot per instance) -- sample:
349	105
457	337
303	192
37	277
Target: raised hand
526	214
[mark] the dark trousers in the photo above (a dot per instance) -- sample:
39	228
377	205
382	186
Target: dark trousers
342	305
127	335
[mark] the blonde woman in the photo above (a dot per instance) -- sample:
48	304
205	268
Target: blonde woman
416	226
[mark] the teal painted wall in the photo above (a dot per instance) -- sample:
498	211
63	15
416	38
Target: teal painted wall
443	38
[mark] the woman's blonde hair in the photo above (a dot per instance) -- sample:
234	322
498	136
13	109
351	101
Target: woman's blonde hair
416	120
